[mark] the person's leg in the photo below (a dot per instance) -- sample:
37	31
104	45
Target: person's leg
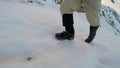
92	34
67	8
69	28
92	9
68	23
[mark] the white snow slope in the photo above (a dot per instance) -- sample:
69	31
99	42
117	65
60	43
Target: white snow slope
115	6
27	32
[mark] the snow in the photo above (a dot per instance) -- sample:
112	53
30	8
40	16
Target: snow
27	31
115	5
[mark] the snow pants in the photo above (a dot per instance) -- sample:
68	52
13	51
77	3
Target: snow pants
90	7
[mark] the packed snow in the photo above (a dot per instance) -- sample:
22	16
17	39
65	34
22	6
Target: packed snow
27	39
115	5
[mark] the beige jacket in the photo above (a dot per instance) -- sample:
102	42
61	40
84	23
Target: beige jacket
90	7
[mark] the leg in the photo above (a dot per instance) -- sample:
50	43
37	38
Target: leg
67	8
69	29
92	9
68	23
92	34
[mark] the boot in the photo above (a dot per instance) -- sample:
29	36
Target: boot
64	36
90	39
69	28
93	30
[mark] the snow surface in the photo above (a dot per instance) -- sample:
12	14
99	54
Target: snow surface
27	32
115	6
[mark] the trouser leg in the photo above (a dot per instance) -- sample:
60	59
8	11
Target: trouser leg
67	8
92	9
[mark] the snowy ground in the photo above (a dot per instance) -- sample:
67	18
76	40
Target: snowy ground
115	6
28	31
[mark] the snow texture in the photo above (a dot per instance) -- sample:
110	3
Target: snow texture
27	39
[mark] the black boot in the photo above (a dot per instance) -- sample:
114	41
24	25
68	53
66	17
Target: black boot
89	39
64	36
69	29
92	34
